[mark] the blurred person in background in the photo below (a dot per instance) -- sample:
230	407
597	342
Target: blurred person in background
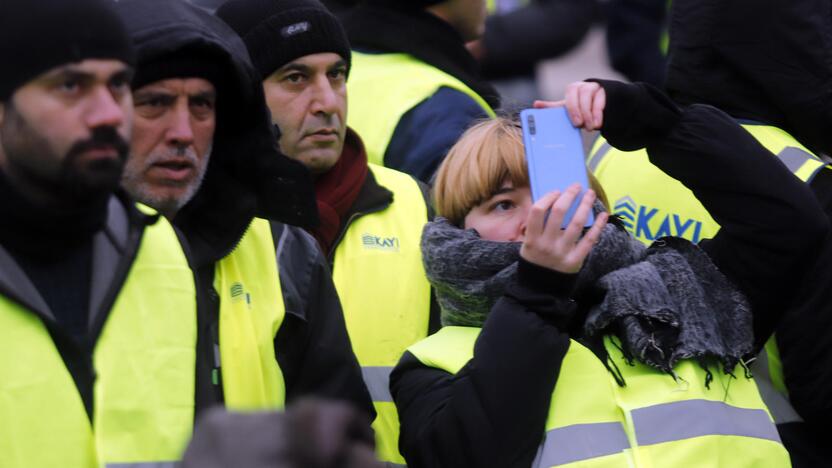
637	38
769	66
582	346
97	303
414	86
204	154
371	216
521	33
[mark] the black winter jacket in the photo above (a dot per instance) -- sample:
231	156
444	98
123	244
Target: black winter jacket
771	62
247	177
493	412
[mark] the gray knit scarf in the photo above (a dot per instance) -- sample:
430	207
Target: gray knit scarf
665	303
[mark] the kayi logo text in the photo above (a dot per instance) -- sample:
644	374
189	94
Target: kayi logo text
238	293
296	28
648	224
382	243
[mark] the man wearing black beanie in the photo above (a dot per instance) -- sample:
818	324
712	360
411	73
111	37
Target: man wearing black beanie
415	87
97	302
204	154
371	216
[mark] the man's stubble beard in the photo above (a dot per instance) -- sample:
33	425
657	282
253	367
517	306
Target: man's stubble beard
168	205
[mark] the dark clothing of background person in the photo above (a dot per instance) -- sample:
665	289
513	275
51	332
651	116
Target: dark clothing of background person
771	63
635	31
771	228
515	41
382	28
247	177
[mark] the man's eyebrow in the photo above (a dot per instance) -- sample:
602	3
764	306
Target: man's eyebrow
294	66
153	94
208	95
69	72
125	74
339	64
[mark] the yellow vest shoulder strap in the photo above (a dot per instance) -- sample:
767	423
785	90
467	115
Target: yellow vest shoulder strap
448	349
251	312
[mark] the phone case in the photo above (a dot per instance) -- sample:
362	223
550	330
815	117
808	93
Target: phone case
554	155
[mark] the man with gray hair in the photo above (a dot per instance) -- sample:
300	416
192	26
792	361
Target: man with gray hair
204	154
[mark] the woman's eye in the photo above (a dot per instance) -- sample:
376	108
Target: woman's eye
503	205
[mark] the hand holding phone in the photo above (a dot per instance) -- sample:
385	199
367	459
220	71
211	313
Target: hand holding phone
554	155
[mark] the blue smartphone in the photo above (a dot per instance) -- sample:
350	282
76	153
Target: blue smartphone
554	155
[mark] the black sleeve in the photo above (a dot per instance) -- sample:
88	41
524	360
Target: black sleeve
804	336
634	33
515	41
786	49
771	223
312	346
493	412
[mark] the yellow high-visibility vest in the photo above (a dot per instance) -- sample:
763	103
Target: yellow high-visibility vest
251	312
653	421
653	204
383	87
380	279
144	361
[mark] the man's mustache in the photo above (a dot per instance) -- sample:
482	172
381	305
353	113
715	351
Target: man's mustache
101	137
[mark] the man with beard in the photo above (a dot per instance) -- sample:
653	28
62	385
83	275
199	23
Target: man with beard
204	154
97	302
371	216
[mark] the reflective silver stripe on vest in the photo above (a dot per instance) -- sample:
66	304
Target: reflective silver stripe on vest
169	464
794	158
695	418
581	442
393	465
599	155
778	404
378	382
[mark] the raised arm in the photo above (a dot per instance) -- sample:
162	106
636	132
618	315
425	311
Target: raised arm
771	223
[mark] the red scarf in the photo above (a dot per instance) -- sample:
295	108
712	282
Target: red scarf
337	190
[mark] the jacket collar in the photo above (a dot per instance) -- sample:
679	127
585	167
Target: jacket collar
110	246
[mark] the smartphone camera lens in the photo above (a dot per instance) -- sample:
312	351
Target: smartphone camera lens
532	129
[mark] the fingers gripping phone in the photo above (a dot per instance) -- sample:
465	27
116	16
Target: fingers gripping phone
554	155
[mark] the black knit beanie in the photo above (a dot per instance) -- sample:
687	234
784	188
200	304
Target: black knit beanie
38	35
187	62
279	31
405	4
